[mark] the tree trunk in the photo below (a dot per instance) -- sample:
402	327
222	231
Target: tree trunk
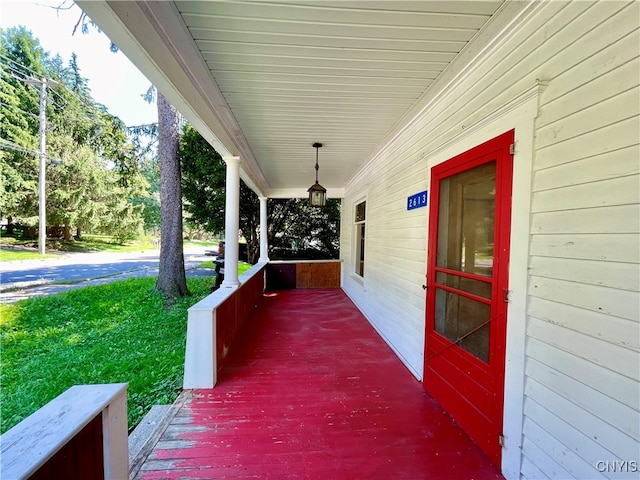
172	280
253	244
66	233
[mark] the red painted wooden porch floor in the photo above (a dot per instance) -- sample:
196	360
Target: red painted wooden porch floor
314	398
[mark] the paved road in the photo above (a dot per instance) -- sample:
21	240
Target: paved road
28	278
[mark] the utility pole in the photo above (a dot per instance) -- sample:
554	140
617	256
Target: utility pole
42	195
42	199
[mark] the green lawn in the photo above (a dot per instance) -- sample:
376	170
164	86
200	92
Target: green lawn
242	266
11	255
15	249
118	332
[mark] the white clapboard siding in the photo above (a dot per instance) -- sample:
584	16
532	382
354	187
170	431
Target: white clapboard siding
582	329
618	163
579	423
585	247
623	332
543	462
607	139
608	219
607	274
483	95
565	463
569	451
617	359
617	191
586	398
619	387
529	471
607	86
583	75
610	301
608	112
605	246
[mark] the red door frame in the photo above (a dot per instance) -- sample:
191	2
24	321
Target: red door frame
471	390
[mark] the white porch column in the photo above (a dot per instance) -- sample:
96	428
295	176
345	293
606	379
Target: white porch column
264	257
232	222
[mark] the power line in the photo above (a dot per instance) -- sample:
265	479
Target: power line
38	79
7	145
66	102
13	107
22	79
32	71
91	111
52	126
15	73
89	115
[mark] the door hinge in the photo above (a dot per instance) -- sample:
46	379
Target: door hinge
512	149
501	440
507	296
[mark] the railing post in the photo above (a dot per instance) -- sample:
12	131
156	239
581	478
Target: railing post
82	433
114	430
200	359
264	247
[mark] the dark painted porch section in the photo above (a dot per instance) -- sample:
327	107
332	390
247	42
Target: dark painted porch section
311	391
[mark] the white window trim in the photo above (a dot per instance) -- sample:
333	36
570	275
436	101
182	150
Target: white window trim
356	249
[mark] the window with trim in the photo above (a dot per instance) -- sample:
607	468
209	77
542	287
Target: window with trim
360	235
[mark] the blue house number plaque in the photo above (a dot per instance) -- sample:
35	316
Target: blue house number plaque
416	201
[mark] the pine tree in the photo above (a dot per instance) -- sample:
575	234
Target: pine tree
92	174
172	281
22	59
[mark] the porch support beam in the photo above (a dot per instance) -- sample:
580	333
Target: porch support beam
232	222
264	247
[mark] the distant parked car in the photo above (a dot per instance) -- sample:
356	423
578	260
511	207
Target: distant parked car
219	267
217	252
243	255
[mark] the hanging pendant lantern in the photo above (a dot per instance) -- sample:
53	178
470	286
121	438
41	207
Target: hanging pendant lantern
317	193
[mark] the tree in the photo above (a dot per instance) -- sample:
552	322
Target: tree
150	200
203	181
93	174
172	281
204	190
298	230
250	221
19	106
293	224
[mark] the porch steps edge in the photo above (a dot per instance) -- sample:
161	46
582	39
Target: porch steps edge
147	433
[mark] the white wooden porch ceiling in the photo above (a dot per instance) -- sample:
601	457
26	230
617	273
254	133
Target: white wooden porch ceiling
291	73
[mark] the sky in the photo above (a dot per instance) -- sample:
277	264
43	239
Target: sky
112	78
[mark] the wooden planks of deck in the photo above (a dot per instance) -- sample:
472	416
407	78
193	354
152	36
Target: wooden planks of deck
312	392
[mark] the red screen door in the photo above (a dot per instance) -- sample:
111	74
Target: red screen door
467	270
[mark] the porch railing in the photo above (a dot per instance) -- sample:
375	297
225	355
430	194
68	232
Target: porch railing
214	322
292	274
79	434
